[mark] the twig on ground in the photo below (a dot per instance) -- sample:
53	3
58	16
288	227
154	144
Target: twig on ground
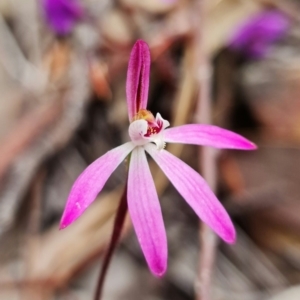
207	155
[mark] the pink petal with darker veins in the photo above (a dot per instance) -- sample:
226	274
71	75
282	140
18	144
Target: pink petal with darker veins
207	135
91	181
137	83
195	191
145	213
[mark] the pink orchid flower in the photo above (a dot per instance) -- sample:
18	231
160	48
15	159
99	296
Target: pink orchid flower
149	134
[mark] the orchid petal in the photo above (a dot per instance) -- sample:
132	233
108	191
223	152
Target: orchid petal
91	181
145	212
207	135
195	191
137	84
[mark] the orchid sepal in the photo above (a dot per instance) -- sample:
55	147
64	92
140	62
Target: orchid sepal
137	83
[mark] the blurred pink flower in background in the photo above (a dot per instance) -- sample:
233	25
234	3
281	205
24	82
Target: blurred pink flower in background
149	134
62	15
257	34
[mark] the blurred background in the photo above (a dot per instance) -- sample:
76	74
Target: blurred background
63	69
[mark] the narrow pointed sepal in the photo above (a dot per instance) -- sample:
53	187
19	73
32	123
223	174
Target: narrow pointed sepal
196	192
145	213
91	181
207	135
137	84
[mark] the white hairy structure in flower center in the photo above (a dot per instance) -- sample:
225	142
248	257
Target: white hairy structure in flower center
146	129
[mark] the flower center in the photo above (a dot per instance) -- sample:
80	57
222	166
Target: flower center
154	126
153	130
146	129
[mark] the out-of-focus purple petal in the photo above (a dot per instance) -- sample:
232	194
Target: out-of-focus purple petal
257	34
145	213
207	135
62	15
91	181
195	191
137	83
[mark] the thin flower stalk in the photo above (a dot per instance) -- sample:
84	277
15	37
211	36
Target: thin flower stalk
117	230
150	134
